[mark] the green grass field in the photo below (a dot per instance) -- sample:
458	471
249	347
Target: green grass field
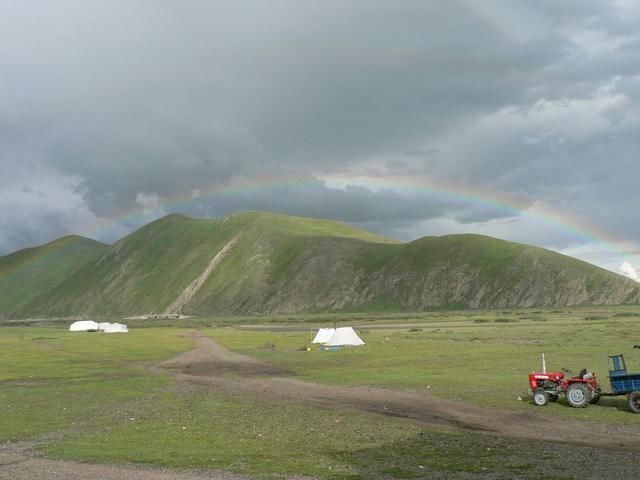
93	398
479	357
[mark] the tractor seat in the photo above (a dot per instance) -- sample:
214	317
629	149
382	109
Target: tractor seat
582	373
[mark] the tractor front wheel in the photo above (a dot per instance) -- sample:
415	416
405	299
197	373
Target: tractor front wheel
634	402
578	395
540	398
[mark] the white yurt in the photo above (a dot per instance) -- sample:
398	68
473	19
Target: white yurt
119	328
107	327
84	326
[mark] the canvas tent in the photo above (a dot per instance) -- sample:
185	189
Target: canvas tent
119	328
344	336
323	335
84	326
107	327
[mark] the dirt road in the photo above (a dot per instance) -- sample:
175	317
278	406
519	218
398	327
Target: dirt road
209	363
18	463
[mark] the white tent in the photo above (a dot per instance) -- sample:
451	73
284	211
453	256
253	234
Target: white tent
119	328
107	327
84	326
344	336
323	335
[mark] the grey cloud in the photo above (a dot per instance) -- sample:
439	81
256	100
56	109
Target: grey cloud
38	205
352	204
578	156
146	100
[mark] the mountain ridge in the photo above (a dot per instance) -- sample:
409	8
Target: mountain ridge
263	263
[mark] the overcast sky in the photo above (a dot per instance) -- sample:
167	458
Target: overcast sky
408	118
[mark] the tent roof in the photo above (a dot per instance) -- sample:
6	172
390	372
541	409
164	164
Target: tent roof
323	335
83	326
344	336
113	327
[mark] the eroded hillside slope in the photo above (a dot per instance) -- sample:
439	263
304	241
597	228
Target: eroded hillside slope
266	263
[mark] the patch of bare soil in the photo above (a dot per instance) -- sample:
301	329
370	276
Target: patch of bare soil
210	364
209	359
193	288
18	463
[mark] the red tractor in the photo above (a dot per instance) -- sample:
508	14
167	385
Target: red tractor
579	390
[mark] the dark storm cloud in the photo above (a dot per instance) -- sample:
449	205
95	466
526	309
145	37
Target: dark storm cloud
111	106
352	204
36	202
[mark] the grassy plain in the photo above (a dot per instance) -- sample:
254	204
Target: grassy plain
52	379
95	400
482	357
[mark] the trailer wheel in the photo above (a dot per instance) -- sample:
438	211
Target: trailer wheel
634	402
540	398
578	395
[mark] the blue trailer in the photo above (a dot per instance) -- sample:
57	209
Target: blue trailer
623	382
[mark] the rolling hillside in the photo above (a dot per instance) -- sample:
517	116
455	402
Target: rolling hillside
29	273
267	263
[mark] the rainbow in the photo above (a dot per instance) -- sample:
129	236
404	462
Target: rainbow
455	192
450	190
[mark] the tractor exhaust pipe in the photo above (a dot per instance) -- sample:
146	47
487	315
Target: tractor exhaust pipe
544	365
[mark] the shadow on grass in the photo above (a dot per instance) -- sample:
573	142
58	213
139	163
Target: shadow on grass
445	455
437	455
617	402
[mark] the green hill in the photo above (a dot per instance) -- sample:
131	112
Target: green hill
267	263
29	273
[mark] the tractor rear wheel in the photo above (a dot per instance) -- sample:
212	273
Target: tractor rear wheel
634	402
540	398
578	395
